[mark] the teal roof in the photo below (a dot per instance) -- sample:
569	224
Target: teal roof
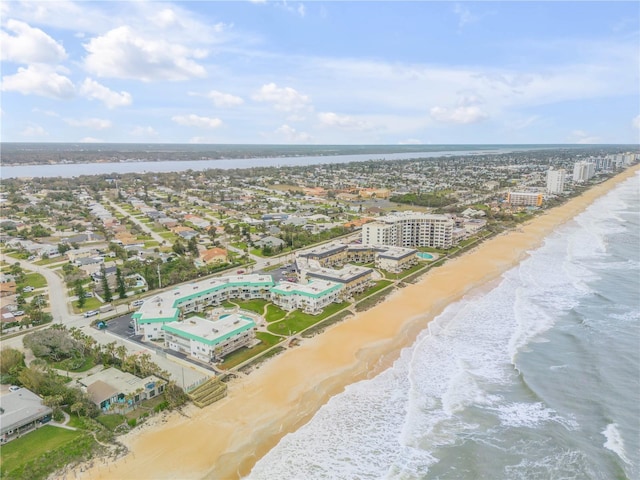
336	286
206	341
180	300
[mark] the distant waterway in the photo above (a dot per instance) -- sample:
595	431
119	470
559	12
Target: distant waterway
70	170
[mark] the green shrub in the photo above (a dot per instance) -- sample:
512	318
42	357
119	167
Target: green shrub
132	422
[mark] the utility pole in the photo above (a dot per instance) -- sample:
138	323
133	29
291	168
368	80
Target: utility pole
159	281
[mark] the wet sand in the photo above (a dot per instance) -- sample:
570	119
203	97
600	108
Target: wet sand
224	440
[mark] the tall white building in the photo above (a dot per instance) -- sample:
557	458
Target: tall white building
410	229
555	180
583	171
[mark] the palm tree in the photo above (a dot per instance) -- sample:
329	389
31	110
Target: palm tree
121	351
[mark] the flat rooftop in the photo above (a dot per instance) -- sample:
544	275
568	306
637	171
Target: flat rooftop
346	274
211	331
316	288
324	250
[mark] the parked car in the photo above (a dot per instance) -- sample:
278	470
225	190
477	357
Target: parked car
90	313
14	388
28	289
18	313
137	303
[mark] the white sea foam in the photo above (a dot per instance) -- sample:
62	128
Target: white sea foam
396	425
614	442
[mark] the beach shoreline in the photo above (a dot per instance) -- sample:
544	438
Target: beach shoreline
224	440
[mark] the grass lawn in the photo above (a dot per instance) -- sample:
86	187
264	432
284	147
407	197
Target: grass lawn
244	354
111	421
297	321
255	305
274	313
169	235
49	261
405	273
151	243
75	364
34	280
91	303
28	448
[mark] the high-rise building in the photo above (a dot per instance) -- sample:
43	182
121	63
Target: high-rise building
583	171
410	229
555	180
524	199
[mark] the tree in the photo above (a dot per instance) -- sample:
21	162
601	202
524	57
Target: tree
122	288
178	247
11	361
80	293
63	248
106	291
192	246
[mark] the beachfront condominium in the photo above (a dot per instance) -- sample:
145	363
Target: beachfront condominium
170	306
583	171
410	229
207	340
555	180
524	199
311	298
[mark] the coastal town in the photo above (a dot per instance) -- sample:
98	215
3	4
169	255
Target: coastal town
128	294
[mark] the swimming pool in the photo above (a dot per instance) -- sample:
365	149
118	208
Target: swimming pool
425	256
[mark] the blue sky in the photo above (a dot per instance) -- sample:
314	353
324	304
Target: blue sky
320	72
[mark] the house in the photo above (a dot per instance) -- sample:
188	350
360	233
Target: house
271	241
20	412
7	288
211	256
111	388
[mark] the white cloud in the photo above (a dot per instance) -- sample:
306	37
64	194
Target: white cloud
91	140
94	90
410	141
29	45
121	53
330	119
636	122
40	80
464	15
94	123
144	132
224	99
462	114
197	121
582	137
285	99
34	131
292	135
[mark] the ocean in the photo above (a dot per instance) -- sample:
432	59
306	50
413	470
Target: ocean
537	377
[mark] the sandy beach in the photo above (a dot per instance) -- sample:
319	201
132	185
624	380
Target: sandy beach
224	440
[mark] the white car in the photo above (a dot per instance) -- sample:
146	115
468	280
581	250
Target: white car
28	289
90	313
137	303
14	388
18	313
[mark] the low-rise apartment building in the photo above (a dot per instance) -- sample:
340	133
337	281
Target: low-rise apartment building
355	279
311	298
396	259
167	307
207	340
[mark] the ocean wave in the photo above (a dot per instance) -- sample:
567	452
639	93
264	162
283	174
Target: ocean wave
614	442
